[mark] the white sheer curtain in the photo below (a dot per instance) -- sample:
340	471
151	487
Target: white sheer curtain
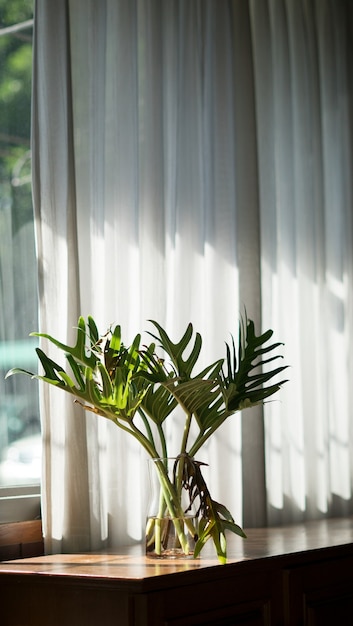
303	60
191	158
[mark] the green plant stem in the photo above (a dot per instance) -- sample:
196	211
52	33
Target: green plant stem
135	432
182	452
170	497
170	494
202	437
186	432
162	441
147	426
172	501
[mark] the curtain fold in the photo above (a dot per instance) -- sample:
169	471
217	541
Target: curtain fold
305	157
191	159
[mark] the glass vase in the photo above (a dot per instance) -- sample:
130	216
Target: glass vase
171	527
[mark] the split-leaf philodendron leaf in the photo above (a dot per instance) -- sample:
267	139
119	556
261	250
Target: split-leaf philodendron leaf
138	387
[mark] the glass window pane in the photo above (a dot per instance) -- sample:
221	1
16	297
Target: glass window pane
19	411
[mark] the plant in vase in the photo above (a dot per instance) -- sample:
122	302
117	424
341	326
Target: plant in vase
138	389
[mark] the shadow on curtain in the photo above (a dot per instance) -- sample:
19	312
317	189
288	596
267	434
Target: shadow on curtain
190	160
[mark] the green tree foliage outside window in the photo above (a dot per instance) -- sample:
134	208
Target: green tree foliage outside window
18	286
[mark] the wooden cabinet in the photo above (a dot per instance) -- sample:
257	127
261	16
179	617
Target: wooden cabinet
218	600
21	539
294	576
320	592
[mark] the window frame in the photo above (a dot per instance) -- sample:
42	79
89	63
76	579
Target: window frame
19	504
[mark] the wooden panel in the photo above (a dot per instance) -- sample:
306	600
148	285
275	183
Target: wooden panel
40	601
329	606
235	596
21	539
241	614
320	594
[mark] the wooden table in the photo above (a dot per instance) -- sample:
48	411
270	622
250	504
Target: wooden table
295	575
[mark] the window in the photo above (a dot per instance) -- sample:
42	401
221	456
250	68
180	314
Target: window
20	448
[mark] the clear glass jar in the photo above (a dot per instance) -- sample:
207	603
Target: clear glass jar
171	526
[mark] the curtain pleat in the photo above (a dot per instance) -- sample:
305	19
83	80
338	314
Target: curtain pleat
304	129
192	160
66	510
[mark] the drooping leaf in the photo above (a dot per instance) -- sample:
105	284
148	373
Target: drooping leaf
215	518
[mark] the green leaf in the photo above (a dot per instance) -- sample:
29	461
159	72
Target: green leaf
50	367
77	371
193	394
107	386
68	382
132	361
115	341
215	517
79	350
93	332
121	388
19	370
244	384
176	350
152	368
212	413
93	394
158	403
